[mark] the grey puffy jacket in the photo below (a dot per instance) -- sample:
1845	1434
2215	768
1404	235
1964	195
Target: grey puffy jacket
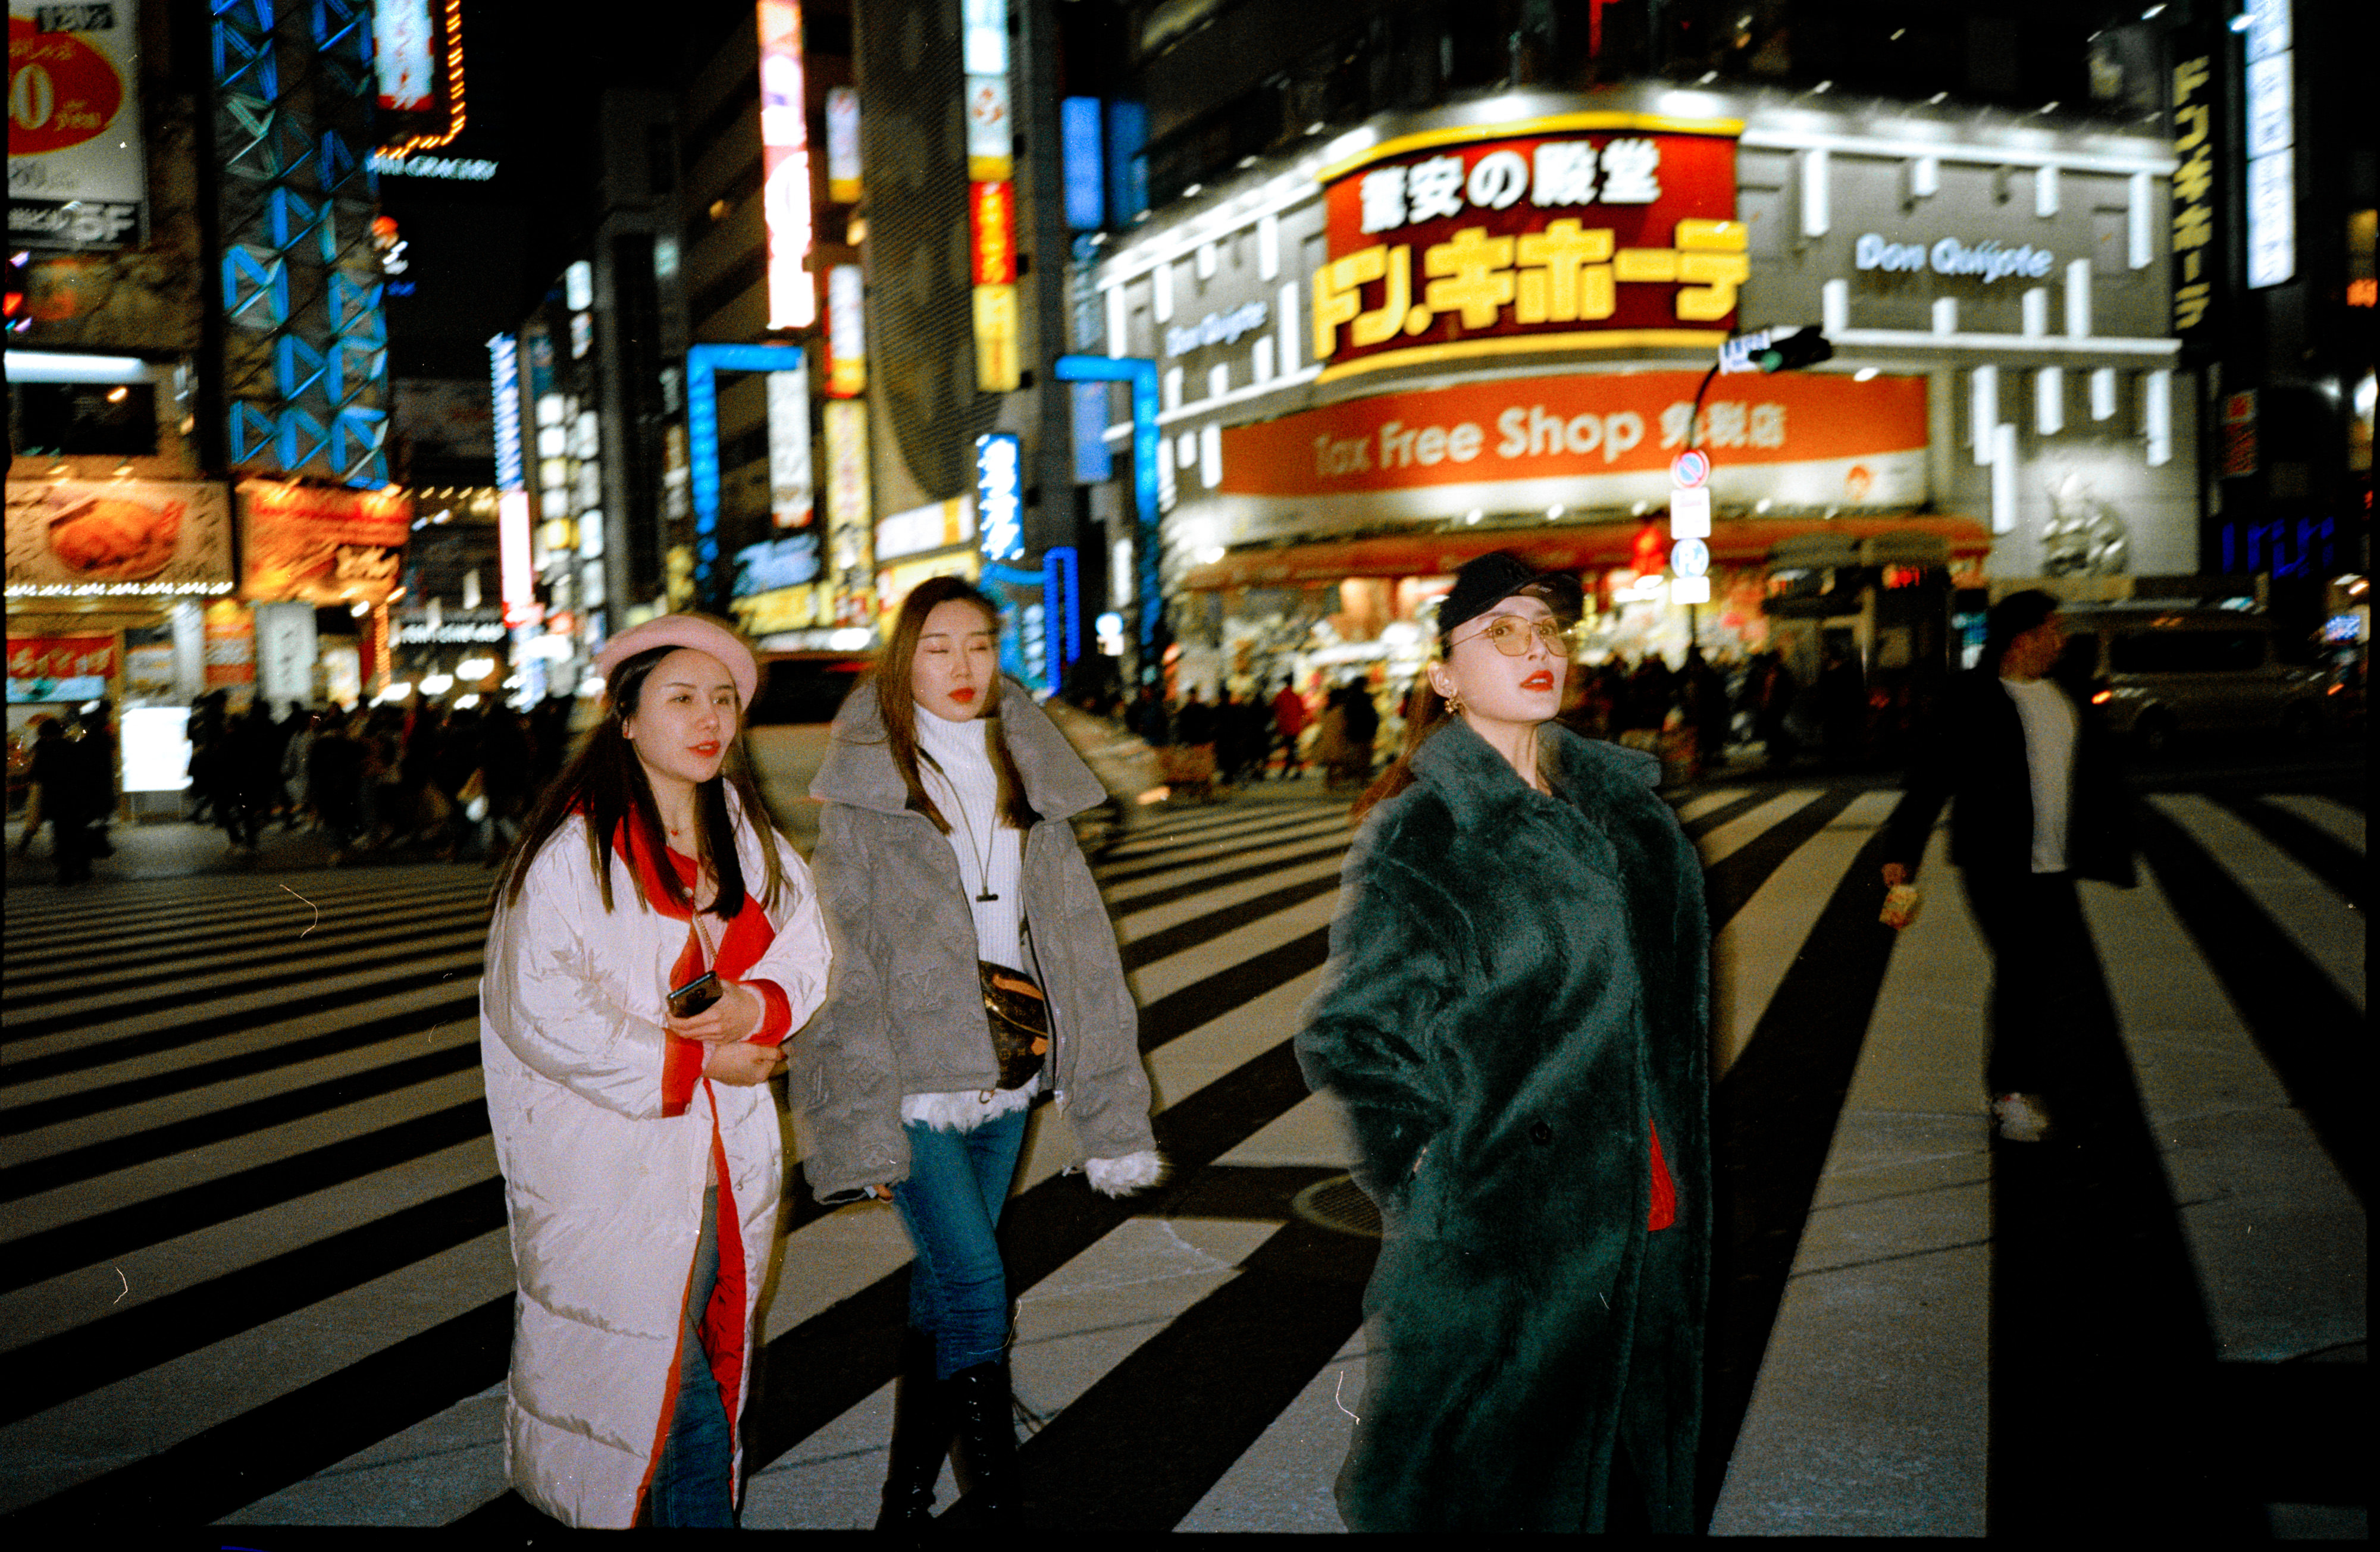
904	1014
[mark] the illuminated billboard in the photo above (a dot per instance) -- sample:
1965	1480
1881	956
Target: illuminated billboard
1584	230
785	165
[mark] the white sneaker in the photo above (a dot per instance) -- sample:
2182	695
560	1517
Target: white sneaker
2021	1117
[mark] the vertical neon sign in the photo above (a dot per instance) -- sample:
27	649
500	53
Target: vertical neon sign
785	165
991	224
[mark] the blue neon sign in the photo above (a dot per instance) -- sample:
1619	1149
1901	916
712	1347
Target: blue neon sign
703	363
1085	169
999	495
1142	375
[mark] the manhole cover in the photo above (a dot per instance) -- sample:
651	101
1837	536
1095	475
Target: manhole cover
1338	1204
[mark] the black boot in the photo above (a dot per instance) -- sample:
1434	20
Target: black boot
921	1436
987	1442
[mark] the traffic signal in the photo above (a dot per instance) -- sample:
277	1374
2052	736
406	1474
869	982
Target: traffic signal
1804	347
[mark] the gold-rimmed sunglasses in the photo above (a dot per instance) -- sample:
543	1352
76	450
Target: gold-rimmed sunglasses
1513	635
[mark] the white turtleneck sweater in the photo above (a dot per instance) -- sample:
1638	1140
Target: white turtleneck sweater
955	765
958	774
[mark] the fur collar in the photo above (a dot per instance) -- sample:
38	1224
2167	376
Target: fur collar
1476	784
858	766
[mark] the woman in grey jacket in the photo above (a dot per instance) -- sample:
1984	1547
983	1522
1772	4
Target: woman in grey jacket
944	860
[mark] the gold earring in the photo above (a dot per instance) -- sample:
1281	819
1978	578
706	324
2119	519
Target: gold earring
1454	701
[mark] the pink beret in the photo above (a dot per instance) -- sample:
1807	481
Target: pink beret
686	630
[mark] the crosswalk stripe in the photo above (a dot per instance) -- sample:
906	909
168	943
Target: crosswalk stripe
132	1278
2253	1186
1758	946
260	1160
2315	1041
2345	824
2329	930
91	1079
256	911
2316	850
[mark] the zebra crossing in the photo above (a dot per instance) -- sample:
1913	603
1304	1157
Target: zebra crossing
253	1264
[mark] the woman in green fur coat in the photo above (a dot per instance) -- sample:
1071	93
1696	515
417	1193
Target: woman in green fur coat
1515	1018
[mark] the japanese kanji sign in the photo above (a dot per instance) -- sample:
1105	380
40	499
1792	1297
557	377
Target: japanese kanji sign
2197	130
1600	229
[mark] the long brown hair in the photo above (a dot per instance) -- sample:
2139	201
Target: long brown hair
900	707
1426	712
606	783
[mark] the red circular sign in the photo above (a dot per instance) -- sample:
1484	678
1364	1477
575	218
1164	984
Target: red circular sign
61	91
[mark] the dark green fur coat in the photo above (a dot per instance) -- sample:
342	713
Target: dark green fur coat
1518	984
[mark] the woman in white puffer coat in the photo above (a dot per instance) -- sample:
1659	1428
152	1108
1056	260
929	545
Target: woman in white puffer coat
640	1147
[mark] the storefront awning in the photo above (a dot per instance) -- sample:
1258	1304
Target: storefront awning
1593	547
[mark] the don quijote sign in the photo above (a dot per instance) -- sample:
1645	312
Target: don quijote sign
1584	441
1986	261
1580	231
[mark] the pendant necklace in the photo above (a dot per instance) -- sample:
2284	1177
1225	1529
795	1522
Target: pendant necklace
981	854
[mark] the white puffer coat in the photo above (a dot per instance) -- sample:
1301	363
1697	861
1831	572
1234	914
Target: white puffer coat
603	1192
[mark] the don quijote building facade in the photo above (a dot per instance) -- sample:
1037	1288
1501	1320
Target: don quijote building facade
1485	325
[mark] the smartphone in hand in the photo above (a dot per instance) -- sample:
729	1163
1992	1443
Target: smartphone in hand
696	995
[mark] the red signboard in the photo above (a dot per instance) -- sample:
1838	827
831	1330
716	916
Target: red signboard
308	543
62	657
61	91
1581	230
991	231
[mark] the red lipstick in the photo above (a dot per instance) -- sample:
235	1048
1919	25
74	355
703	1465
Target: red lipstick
1543	679
962	696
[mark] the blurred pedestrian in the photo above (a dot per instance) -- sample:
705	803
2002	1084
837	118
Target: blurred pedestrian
1707	707
1773	691
2037	801
57	777
1841	708
1289	720
334	770
1515	1019
986	912
638	1141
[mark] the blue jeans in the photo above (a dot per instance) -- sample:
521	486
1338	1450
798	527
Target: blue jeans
693	1482
950	1203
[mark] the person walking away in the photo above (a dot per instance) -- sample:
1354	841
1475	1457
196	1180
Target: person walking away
57	777
505	763
2037	801
1514	1015
1363	730
1289	720
974	966
1777	693
1148	718
1842	709
1707	707
640	1143
298	730
334	767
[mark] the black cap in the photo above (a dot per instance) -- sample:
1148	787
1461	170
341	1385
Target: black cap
1490	580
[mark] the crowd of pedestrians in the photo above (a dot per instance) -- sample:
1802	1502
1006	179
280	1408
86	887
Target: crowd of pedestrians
1720	699
452	782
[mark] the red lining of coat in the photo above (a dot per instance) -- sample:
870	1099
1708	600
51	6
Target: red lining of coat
1664	1209
721	1331
740	947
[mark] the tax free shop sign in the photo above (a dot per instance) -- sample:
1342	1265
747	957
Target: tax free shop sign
1581	442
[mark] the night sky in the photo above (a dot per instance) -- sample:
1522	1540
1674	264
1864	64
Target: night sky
480	253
